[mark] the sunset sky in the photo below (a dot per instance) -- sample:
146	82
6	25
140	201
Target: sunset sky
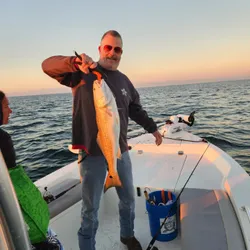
165	42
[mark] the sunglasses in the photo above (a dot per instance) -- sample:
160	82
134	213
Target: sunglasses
108	48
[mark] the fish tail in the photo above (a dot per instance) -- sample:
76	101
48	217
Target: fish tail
112	181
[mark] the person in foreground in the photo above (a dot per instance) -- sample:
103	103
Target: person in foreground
34	209
67	71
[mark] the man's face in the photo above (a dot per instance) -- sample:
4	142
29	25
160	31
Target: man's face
110	52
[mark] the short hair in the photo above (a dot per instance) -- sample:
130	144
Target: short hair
113	33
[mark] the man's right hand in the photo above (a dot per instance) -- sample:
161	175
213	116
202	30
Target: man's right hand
86	63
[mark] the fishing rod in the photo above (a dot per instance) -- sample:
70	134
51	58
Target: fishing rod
151	243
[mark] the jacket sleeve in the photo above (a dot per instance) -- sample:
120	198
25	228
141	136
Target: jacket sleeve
138	114
63	69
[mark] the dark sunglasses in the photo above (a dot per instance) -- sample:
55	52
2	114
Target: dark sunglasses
107	48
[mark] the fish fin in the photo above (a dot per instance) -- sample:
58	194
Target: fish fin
119	154
112	181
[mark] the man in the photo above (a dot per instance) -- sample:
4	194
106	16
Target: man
68	72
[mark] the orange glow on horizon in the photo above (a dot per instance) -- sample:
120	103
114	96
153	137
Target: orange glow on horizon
20	80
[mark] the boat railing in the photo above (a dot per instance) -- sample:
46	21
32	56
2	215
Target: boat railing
13	230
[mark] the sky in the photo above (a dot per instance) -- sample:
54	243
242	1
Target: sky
165	42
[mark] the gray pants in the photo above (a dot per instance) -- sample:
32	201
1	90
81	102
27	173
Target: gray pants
93	171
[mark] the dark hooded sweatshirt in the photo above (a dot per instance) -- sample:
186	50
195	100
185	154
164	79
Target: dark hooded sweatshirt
84	127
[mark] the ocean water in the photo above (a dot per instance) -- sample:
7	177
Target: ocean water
41	125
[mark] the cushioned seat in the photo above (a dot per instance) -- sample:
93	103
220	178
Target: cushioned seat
208	221
65	201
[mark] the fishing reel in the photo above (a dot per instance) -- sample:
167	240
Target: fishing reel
47	196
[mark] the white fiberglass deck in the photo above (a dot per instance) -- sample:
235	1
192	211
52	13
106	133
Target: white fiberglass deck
67	224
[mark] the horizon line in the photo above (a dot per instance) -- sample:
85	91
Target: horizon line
155	86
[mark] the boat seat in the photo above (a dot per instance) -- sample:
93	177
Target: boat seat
62	187
65	201
208	221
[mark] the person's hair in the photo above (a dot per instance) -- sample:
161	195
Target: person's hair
2	95
113	33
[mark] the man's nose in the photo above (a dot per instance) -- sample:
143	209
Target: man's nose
112	52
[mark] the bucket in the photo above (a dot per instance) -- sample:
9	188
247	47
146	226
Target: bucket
157	213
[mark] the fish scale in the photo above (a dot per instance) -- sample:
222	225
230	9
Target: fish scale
106	142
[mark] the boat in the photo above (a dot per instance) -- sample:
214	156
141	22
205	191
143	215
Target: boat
207	186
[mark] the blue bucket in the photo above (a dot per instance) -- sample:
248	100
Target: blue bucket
157	214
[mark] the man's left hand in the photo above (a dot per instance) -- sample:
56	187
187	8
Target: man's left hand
158	137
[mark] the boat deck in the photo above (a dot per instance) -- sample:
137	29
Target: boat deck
211	214
205	220
67	224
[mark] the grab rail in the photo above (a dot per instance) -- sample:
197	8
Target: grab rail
13	231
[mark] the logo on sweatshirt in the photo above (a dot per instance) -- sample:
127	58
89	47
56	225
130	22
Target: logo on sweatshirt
124	92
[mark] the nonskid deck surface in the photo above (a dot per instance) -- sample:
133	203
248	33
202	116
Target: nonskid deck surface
67	224
109	233
206	220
